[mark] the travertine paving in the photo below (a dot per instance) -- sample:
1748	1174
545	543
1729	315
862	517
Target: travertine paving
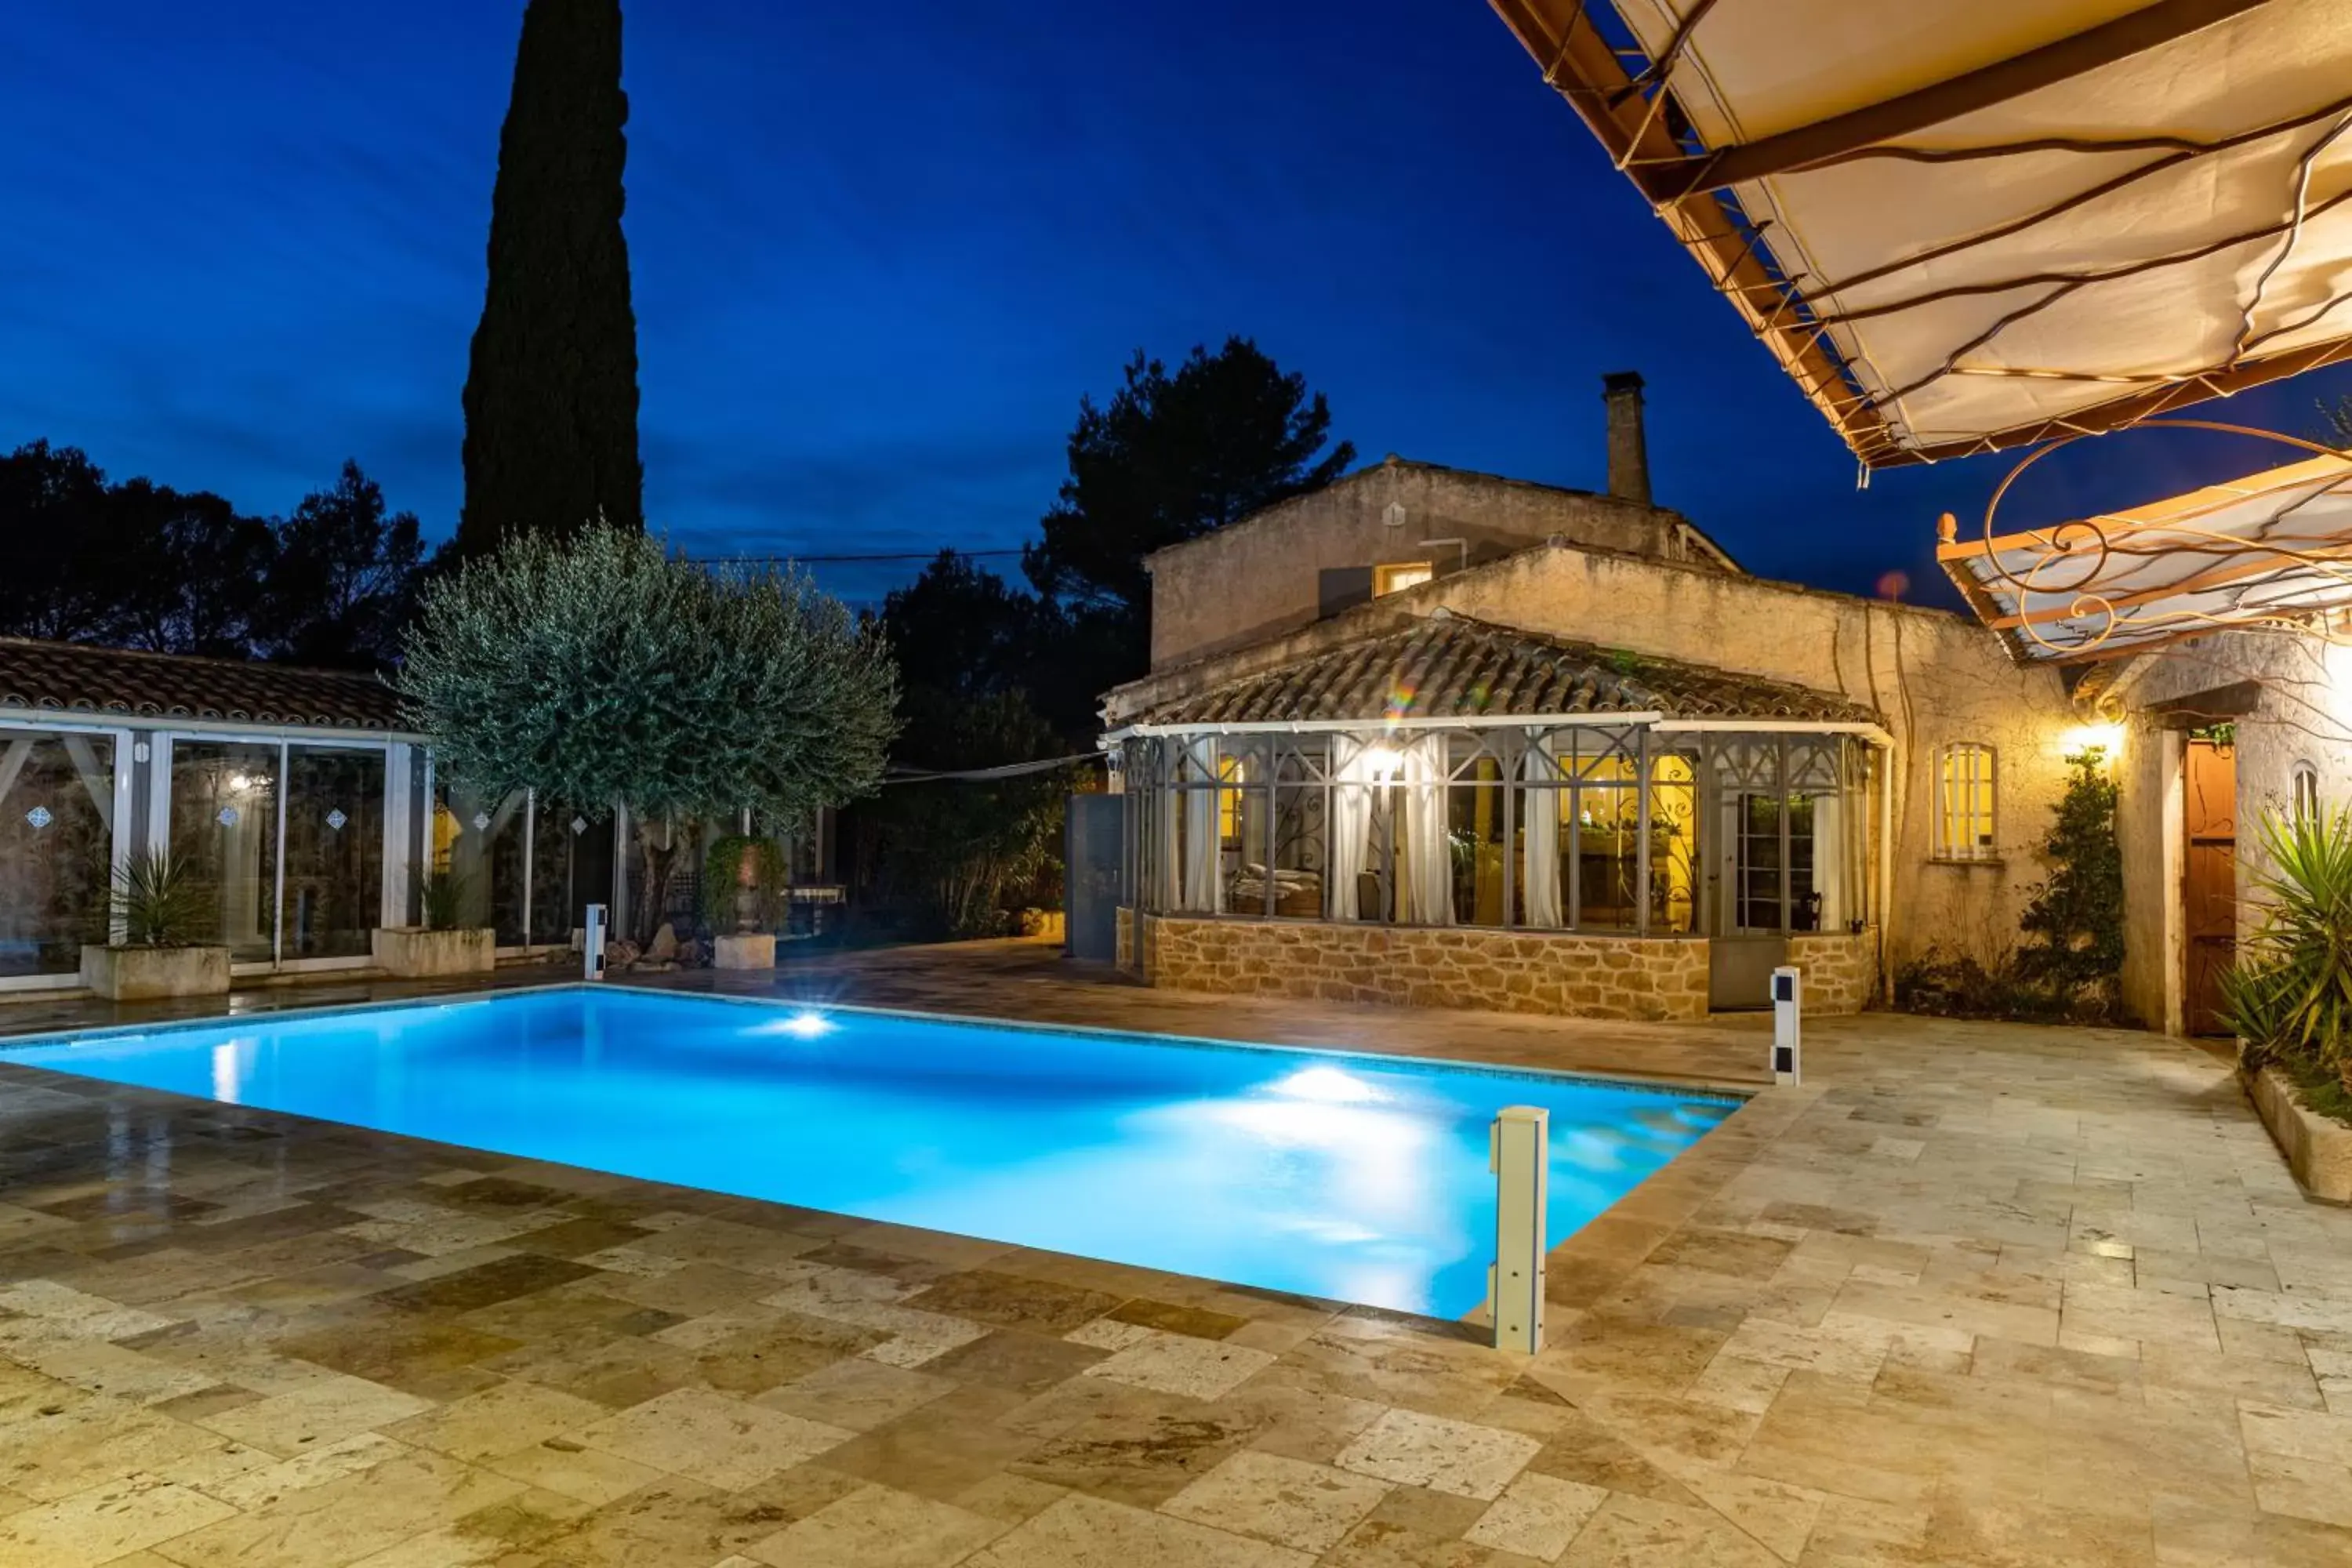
1973	1294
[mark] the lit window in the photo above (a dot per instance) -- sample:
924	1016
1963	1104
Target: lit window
1403	574
1229	802
2306	793
1964	803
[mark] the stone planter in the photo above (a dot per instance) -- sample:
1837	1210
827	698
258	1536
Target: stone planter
153	973
743	949
2318	1149
413	952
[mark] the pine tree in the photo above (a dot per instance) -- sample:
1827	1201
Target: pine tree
551	391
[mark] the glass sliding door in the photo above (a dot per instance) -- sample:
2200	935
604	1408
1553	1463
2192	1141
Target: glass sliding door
223	825
334	850
481	842
56	837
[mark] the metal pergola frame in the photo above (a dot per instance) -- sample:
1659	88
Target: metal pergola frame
1626	96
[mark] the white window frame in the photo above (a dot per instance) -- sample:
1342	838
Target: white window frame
118	845
2302	791
159	827
1983	843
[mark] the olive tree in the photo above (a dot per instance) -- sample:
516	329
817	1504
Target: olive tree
603	667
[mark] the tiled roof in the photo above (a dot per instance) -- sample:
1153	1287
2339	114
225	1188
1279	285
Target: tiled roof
69	678
1450	666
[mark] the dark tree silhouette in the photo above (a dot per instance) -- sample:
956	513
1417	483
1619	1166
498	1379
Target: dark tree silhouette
139	564
342	581
1171	456
551	391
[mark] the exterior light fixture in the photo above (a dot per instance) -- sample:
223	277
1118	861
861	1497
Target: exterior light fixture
2106	738
807	1025
1383	762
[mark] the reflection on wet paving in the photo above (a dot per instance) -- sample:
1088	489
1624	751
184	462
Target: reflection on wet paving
1974	1295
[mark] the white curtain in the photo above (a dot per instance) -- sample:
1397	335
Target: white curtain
1351	821
1429	859
1539	816
1830	860
1204	883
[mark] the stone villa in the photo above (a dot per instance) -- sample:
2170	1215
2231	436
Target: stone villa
1439	738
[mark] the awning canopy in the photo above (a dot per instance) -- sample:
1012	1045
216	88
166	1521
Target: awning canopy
1964	225
2271	549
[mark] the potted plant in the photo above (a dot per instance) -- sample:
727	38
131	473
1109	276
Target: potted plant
743	879
158	908
444	945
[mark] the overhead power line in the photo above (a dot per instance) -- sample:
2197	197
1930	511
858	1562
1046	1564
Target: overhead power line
828	559
1010	770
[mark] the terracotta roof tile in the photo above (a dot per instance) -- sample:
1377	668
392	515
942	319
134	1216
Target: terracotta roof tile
1450	666
108	682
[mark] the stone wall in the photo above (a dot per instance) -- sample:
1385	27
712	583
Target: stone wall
1123	941
1559	972
1840	969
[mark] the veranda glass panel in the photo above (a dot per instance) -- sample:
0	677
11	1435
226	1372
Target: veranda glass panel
334	850
481	843
1674	844
1474	830
57	821
224	827
572	867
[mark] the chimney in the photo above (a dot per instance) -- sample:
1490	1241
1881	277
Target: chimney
1629	452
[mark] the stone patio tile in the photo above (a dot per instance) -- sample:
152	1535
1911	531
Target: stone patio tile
1444	1455
1290	1502
501	1419
346	1518
253	1486
566	1467
1537	1515
104	1523
1179	1363
1626	1531
878	1527
1089	1533
726	1442
857	1394
941	1448
1144	1449
1008	1301
671	1520
322	1412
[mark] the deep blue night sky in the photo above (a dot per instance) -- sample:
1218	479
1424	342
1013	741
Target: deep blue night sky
880	252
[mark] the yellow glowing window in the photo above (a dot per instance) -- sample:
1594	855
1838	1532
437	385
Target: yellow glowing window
1229	802
1964	803
1401	576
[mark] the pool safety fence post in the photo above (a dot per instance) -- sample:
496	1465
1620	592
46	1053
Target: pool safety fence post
1788	1003
1518	1153
591	944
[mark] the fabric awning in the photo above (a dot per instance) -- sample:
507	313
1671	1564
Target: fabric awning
2271	549
1964	225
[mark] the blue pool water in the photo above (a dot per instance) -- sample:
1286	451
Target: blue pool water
1351	1177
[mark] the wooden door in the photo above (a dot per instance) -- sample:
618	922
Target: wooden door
2209	882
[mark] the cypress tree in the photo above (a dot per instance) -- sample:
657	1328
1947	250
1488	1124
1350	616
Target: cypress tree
552	390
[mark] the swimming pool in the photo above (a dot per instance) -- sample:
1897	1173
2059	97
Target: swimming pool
1353	1177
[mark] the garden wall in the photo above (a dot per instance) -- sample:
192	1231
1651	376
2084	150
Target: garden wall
1840	969
1560	973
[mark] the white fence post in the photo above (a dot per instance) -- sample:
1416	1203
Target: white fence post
1788	1003
591	944
1517	1153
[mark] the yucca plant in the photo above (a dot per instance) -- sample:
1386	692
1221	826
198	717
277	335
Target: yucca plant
2290	991
442	897
158	901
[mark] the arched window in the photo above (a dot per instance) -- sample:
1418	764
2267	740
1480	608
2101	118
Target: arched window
2306	793
1964	802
